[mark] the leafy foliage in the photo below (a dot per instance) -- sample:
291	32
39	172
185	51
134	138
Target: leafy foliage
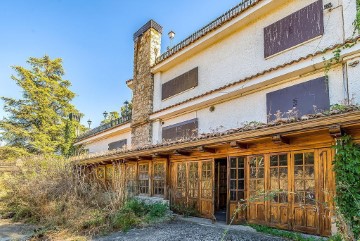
125	111
38	122
135	212
357	20
347	169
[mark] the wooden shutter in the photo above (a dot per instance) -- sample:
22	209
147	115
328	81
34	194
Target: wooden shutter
179	84
117	144
306	97
294	29
181	130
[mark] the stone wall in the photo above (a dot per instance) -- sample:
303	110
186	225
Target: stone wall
146	48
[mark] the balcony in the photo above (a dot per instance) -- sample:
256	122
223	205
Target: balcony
110	125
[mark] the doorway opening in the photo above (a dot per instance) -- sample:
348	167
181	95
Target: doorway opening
220	205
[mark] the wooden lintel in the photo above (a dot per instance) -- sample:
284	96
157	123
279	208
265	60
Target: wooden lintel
145	158
160	155
182	152
207	149
129	159
239	145
279	139
336	131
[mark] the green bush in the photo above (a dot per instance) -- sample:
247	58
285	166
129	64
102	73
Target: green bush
158	210
347	169
136	212
125	220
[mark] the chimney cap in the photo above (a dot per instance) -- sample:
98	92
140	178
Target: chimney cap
147	26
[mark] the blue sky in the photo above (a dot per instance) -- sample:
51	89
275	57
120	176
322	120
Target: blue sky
94	39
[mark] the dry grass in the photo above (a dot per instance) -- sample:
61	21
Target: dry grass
69	203
58	196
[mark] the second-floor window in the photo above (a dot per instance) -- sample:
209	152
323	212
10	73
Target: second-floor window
179	84
301	26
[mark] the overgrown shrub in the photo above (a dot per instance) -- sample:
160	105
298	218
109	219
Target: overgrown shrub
54	194
347	169
136	212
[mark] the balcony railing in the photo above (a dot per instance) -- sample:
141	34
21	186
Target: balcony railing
109	125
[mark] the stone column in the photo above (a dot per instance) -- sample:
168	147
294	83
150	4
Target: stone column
147	43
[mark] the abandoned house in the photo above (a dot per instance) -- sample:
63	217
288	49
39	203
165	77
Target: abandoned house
237	121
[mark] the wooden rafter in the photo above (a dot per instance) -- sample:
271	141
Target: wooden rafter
182	152
239	145
207	149
279	139
336	131
160	155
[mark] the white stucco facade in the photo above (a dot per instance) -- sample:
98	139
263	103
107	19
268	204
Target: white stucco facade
100	142
241	54
234	53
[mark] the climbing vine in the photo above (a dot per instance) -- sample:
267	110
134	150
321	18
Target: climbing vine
337	52
347	169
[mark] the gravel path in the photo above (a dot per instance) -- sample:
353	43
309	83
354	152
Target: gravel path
180	230
14	231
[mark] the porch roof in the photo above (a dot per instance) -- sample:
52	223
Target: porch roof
349	117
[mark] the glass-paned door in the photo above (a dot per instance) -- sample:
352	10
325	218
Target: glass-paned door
131	185
305	207
193	186
159	179
256	188
181	182
237	204
144	177
207	188
279	190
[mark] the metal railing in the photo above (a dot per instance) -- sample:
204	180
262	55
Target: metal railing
234	12
109	125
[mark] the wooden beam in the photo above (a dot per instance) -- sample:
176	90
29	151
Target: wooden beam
145	158
336	131
279	139
207	149
239	145
182	152
160	155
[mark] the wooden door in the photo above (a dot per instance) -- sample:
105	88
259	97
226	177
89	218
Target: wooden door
305	192
130	179
279	195
236	212
193	185
256	189
327	190
207	188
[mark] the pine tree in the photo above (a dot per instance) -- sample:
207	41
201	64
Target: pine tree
38	123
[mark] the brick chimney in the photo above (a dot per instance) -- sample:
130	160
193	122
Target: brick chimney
147	44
